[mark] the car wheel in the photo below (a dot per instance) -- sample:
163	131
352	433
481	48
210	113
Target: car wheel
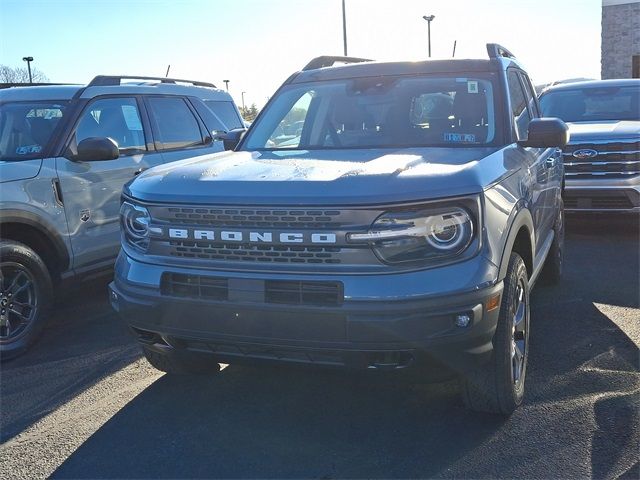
499	386
26	294
552	271
179	363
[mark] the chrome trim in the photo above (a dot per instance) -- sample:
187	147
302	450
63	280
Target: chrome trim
619	162
619	152
601	174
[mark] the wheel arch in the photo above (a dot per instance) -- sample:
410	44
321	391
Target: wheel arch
520	240
37	234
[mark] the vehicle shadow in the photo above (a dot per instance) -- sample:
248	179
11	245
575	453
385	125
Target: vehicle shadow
83	342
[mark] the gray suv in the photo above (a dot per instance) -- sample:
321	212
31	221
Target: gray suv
65	153
375	216
602	161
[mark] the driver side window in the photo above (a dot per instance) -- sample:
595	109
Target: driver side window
115	118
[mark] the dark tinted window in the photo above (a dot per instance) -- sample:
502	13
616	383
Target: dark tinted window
592	104
211	120
116	118
26	128
531	96
226	112
521	117
176	124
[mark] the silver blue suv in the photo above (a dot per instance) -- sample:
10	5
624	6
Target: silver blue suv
375	216
65	153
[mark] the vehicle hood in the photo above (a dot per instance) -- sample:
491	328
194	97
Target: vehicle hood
315	177
584	132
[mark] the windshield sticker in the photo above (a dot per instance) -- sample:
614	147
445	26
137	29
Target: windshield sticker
27	149
472	86
460	137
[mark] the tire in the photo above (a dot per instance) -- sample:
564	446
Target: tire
499	386
552	271
182	364
26	296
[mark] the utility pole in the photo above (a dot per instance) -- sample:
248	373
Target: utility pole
243	100
28	60
344	27
429	19
226	83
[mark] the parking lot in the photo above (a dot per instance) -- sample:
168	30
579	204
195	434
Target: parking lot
83	404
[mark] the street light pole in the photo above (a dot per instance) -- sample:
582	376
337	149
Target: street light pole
243	109
226	83
28	60
344	27
429	19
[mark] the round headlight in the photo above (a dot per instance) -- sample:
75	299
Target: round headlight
135	220
448	231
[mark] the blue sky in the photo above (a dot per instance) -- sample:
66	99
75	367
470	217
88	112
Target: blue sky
257	43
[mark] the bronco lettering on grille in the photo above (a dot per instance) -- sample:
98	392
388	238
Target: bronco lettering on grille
252	237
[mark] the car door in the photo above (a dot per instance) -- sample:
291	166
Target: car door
536	178
91	190
552	158
178	130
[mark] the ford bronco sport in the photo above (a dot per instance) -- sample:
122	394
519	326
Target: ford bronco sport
65	153
401	225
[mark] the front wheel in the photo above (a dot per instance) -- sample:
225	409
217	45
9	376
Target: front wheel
499	386
26	294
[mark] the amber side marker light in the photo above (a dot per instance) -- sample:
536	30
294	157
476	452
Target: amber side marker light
493	302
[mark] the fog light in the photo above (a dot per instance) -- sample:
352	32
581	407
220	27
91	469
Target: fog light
463	320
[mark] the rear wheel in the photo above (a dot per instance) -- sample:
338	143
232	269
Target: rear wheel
26	294
179	363
499	386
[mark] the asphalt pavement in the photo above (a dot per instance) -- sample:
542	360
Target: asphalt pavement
82	404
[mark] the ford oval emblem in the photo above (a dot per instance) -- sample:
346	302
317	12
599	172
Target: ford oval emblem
585	153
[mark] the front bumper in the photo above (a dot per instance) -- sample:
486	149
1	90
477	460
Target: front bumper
373	328
602	196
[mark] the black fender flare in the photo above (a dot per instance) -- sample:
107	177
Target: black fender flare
521	219
43	226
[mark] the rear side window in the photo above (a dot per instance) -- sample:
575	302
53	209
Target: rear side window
115	118
226	112
176	125
519	111
26	128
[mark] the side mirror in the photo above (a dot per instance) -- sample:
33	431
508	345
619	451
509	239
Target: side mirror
545	133
97	148
230	139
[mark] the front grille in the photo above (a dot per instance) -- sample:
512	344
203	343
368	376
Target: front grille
303	292
614	160
594	200
286	292
250	218
255	253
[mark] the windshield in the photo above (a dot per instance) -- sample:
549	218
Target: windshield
374	112
26	128
592	104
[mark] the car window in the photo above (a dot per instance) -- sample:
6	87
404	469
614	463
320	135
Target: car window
26	128
115	118
521	117
372	112
531	96
177	126
597	103
210	119
226	112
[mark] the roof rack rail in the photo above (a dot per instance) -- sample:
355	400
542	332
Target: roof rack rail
328	61
496	51
27	84
111	80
